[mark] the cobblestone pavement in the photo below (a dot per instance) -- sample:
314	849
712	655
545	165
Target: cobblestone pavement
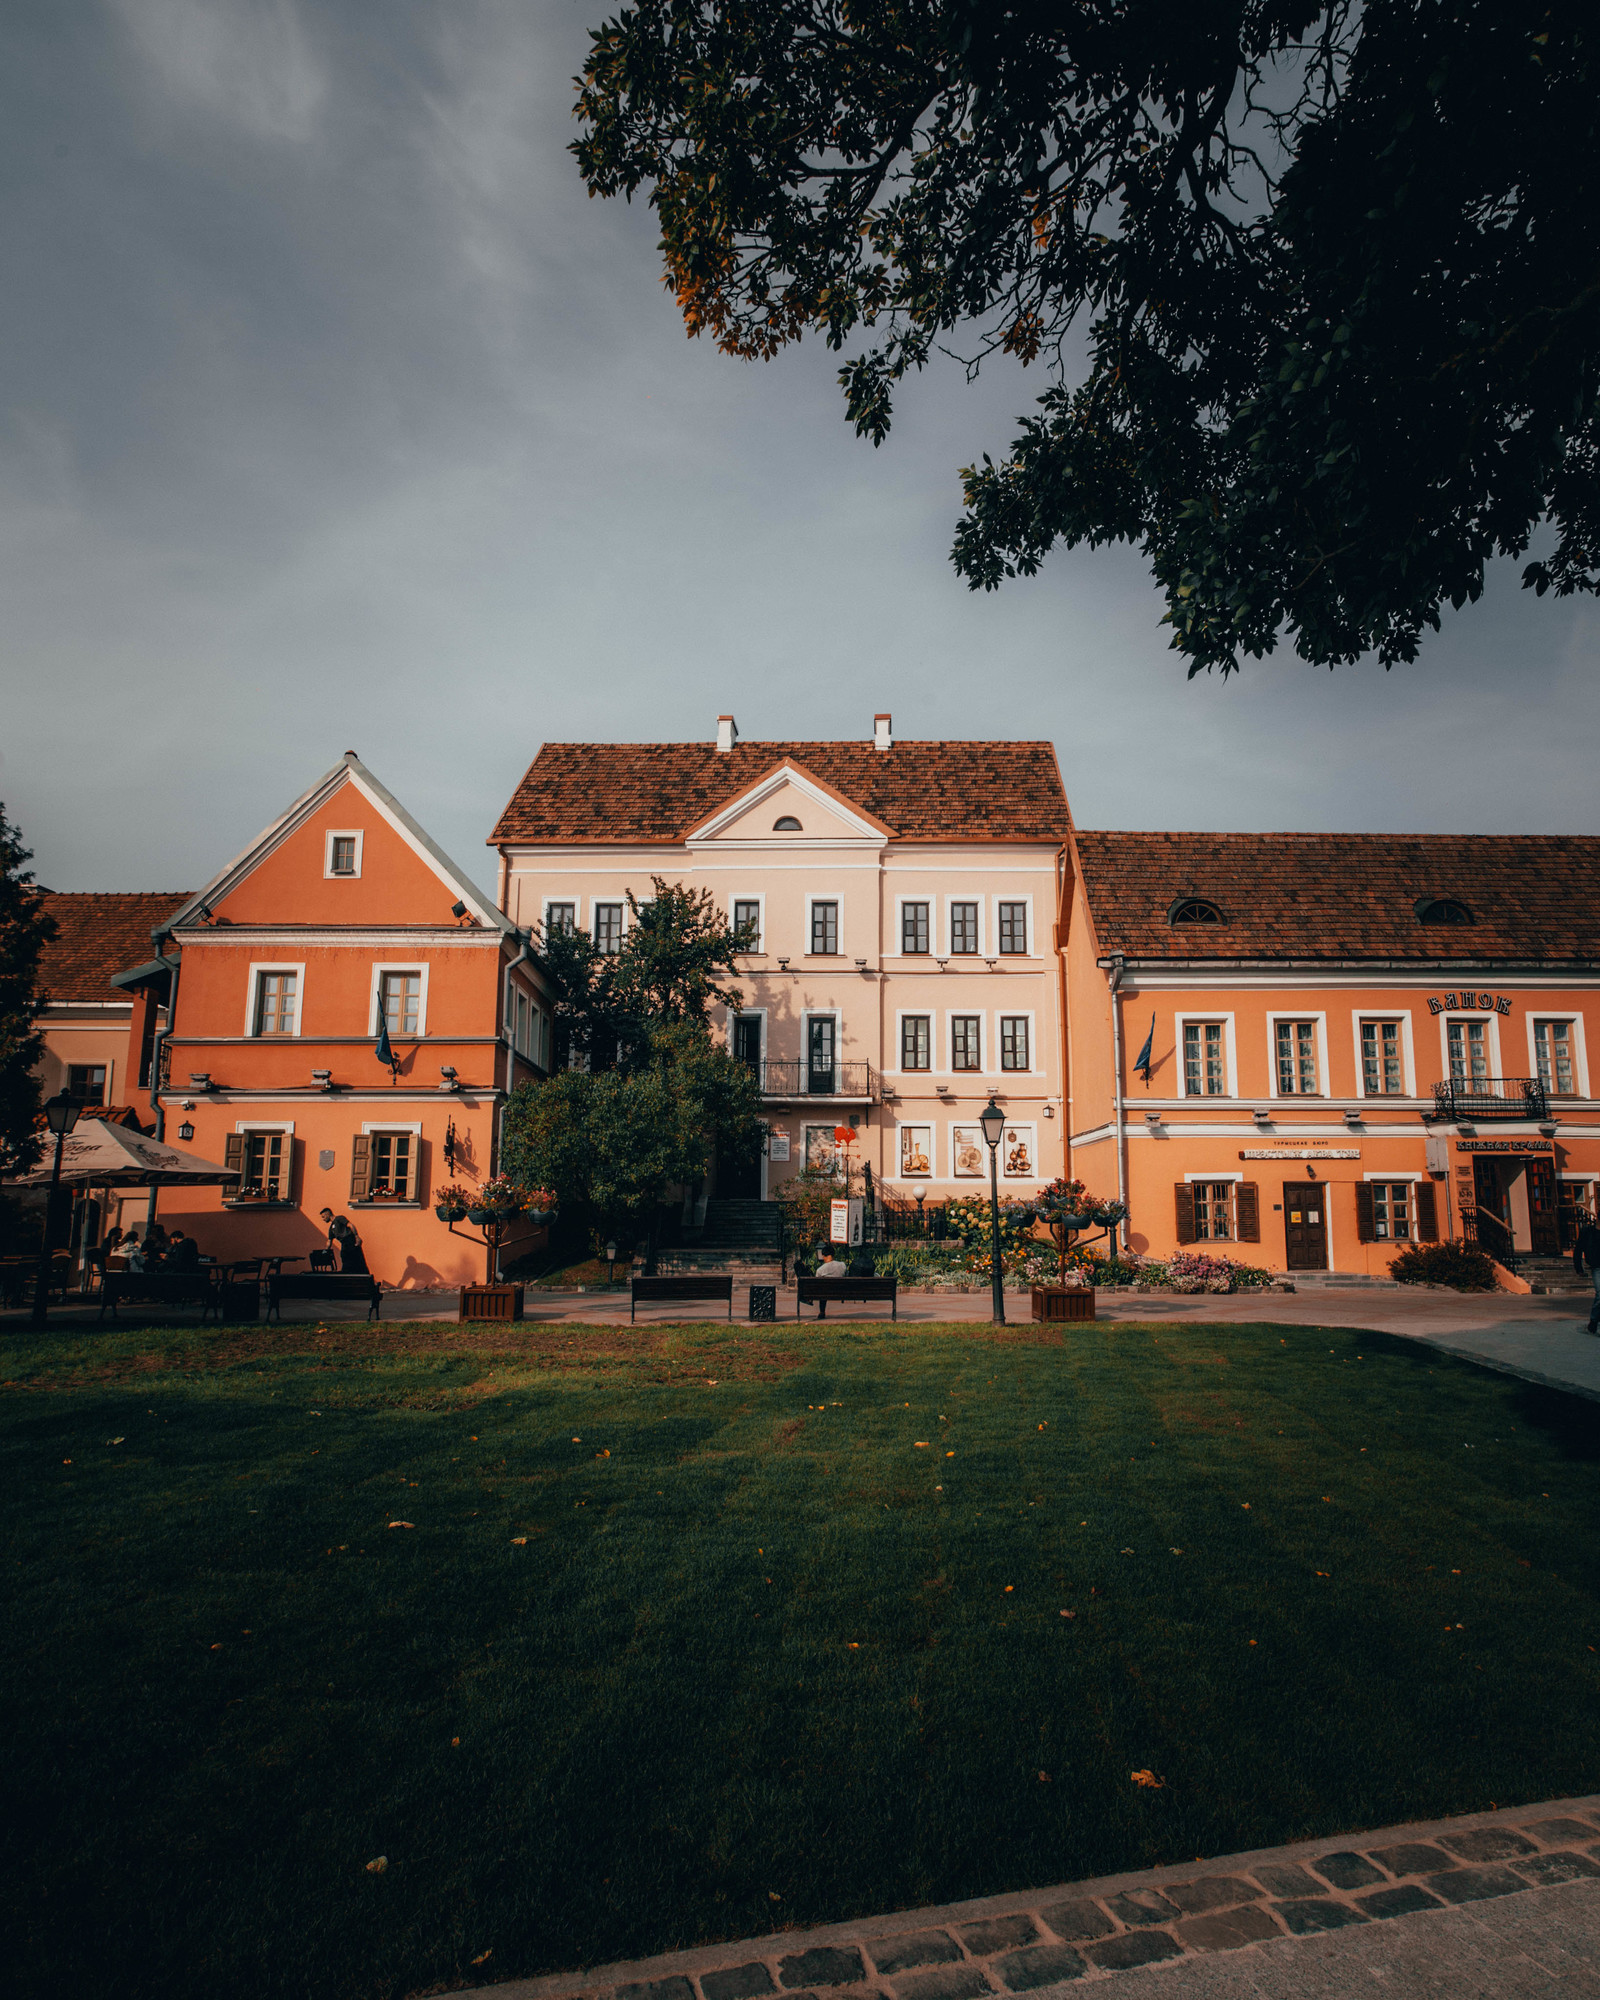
1503	1904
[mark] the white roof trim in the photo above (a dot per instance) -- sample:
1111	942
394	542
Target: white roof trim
785	776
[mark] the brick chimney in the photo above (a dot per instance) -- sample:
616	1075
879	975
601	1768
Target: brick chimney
882	736
727	733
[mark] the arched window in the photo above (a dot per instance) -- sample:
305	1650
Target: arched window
788	824
1443	910
1194	910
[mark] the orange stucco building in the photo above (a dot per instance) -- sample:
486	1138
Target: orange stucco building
1355	1042
341	918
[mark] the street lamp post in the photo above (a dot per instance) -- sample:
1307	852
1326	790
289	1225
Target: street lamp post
61	1114
993	1121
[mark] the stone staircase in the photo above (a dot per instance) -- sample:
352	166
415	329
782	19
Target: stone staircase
1553	1274
738	1236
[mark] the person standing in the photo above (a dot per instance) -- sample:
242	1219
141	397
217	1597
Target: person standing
1586	1252
343	1238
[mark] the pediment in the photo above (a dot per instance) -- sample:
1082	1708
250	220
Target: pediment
789	791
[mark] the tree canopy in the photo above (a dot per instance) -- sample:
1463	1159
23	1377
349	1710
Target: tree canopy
608	1006
25	930
1315	287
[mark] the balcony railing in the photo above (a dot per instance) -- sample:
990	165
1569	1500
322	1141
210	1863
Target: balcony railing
856	1081
1471	1098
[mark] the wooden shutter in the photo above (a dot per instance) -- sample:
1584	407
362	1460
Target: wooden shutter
360	1166
1249	1213
1365	1229
1184	1195
1427	1213
233	1160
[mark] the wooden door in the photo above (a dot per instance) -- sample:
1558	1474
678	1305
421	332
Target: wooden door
1305	1225
1543	1226
821	1078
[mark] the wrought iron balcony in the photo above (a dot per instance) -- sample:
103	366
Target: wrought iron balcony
852	1082
1471	1099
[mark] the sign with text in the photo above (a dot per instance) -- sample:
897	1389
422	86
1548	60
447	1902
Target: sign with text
1505	1145
1468	1003
1299	1152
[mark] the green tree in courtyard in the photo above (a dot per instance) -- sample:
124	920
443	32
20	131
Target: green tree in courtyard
1315	286
613	1143
609	1006
25	930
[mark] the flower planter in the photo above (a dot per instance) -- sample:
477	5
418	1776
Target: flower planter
477	1217
446	1214
495	1302
1063	1302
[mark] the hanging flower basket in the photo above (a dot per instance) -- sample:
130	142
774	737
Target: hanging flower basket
477	1216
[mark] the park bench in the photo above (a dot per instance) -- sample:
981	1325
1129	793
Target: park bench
823	1292
162	1288
702	1285
332	1285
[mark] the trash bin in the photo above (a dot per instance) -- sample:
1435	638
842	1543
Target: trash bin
763	1302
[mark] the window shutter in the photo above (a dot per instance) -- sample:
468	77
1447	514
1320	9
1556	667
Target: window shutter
1185	1199
419	1157
1249	1213
360	1166
1427	1213
292	1149
1365	1231
233	1160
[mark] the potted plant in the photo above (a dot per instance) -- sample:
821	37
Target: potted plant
451	1204
1066	1209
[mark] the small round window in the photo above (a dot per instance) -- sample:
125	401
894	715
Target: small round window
1445	910
788	824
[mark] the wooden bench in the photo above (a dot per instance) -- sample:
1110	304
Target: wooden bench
162	1288
823	1292
335	1285
706	1286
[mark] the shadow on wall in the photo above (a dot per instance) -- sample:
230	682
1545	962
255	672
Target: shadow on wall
420	1277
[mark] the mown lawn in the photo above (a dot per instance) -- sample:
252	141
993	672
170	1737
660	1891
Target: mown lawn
696	1632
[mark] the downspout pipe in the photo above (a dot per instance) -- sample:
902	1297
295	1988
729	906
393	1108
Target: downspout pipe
162	1036
1114	972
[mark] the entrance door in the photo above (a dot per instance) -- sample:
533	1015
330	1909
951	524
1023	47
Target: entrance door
1305	1225
821	1044
1543	1227
747	1041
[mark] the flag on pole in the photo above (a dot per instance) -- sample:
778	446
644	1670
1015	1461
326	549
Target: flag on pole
1141	1061
381	1048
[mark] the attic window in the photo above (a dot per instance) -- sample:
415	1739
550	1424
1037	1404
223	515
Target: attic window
1443	910
788	824
1194	910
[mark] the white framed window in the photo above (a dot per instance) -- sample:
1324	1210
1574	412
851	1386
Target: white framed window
914	936
276	996
1385	1058
749	912
824	926
916	1042
1016	1042
265	1155
1469	1044
560	914
88	1084
605	925
400	997
914	1151
966	1044
963	926
1206	1051
341	854
1019	1153
1013	926
393	1162
1560	1061
1297	1054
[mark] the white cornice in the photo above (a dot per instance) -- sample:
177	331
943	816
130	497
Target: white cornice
429	937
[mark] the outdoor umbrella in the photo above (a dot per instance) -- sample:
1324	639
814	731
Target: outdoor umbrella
97	1155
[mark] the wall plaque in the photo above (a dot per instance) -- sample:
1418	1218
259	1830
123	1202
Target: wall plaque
1505	1145
1299	1152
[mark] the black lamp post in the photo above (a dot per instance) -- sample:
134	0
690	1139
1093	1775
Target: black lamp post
993	1121
61	1114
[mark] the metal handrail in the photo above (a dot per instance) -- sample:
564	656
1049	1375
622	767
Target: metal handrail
1469	1098
782	1077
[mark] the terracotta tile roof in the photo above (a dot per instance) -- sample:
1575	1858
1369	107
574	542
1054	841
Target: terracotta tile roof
655	792
1345	895
97	934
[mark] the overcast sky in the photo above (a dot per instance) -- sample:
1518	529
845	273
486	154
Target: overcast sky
335	415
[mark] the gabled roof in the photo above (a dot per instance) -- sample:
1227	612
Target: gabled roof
98	932
1345	895
348	771
653	794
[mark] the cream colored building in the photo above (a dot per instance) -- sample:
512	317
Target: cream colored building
905	900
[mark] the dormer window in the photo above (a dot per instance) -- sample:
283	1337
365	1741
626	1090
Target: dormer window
1443	910
788	824
1194	910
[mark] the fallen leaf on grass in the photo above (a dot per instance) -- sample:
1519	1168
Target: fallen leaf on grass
920	1445
482	1955
1069	1614
1044	1776
1148	1780
377	1865
519	1541
402	1524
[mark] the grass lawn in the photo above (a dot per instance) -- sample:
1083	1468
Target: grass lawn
696	1632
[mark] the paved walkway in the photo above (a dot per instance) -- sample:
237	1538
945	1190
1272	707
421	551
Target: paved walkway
1503	1904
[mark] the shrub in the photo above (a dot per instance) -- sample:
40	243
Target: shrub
1445	1264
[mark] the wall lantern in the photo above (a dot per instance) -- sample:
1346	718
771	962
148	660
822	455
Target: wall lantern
185	1130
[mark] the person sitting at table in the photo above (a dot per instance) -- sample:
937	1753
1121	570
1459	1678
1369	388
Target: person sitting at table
155	1246
133	1250
183	1253
342	1237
